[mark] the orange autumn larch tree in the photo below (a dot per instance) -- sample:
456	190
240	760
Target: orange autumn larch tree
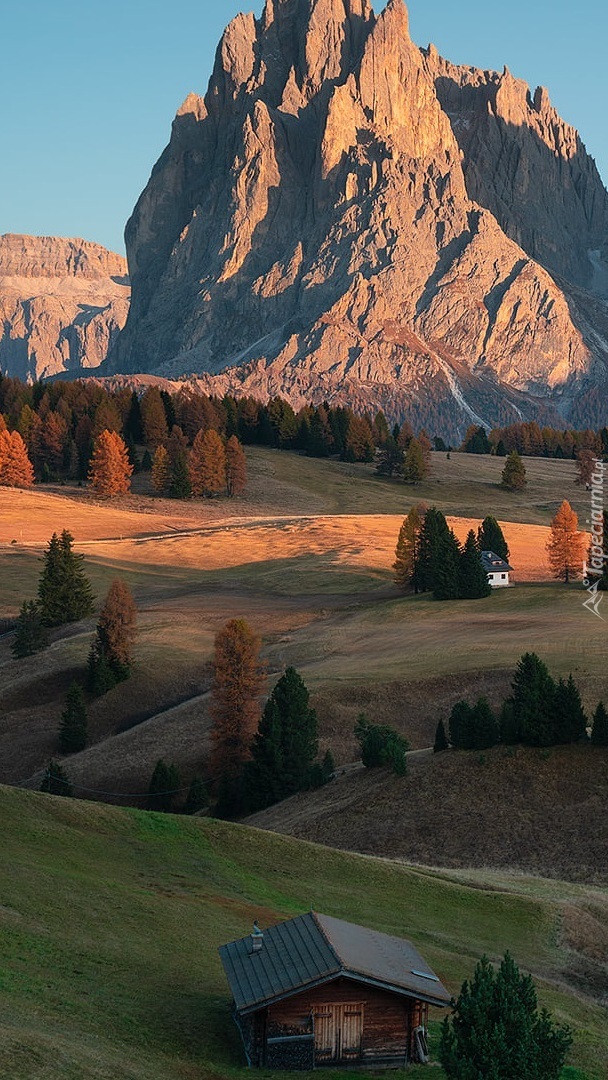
236	467
566	545
207	463
15	466
235	700
110	469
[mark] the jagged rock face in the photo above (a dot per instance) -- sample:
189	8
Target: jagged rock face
320	227
62	303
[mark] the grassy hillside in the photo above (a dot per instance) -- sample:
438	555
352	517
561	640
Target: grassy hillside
110	921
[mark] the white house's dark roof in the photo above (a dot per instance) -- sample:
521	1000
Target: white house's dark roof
313	949
493	564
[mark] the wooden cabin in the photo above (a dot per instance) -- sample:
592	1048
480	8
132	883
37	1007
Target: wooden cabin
317	991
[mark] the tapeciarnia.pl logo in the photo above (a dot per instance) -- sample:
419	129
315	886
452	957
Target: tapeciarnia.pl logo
592	572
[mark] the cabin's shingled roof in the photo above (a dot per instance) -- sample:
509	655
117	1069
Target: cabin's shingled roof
312	949
493	564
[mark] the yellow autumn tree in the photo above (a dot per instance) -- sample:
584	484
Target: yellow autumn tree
566	545
110	469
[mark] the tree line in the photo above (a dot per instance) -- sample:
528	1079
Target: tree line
531	440
539	712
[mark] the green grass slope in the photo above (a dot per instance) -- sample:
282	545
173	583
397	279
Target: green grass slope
110	921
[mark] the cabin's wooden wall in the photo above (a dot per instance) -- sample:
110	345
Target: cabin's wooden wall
388	1019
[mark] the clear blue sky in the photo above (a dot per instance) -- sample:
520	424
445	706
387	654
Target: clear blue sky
88	89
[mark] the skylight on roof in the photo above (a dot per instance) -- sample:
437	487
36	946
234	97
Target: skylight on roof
425	975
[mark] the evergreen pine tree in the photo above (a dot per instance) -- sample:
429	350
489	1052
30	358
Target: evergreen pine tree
433	530
490	538
599	729
73	728
406	552
513	476
496	1030
460	725
31	634
64	592
56	781
445	566
485	731
285	745
163	787
472	578
197	798
532	702
569	720
441	740
180	486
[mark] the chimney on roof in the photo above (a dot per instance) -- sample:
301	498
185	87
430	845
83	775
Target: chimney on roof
257	938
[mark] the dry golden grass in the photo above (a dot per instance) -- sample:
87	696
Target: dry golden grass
311	571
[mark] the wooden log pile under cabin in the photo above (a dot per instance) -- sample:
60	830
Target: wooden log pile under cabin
318	991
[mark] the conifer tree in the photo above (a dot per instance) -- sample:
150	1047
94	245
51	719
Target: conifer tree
490	538
406	552
163	787
236	467
472	578
56	781
513	476
31	634
64	592
599	729
531	706
153	418
569	720
415	466
496	1030
208	464
180	486
197	798
15	466
433	531
73	727
235	705
111	656
566	545
285	744
390	458
161	470
445	567
110	469
460	724
441	739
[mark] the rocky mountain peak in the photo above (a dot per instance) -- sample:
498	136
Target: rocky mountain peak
345	215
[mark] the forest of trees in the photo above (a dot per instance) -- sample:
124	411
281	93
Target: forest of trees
83	431
428	557
539	712
529	439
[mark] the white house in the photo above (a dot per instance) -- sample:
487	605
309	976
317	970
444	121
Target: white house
496	569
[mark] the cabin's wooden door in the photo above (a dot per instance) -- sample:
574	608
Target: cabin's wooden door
338	1032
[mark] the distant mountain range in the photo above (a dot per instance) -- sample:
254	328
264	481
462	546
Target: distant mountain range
62	303
347	217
